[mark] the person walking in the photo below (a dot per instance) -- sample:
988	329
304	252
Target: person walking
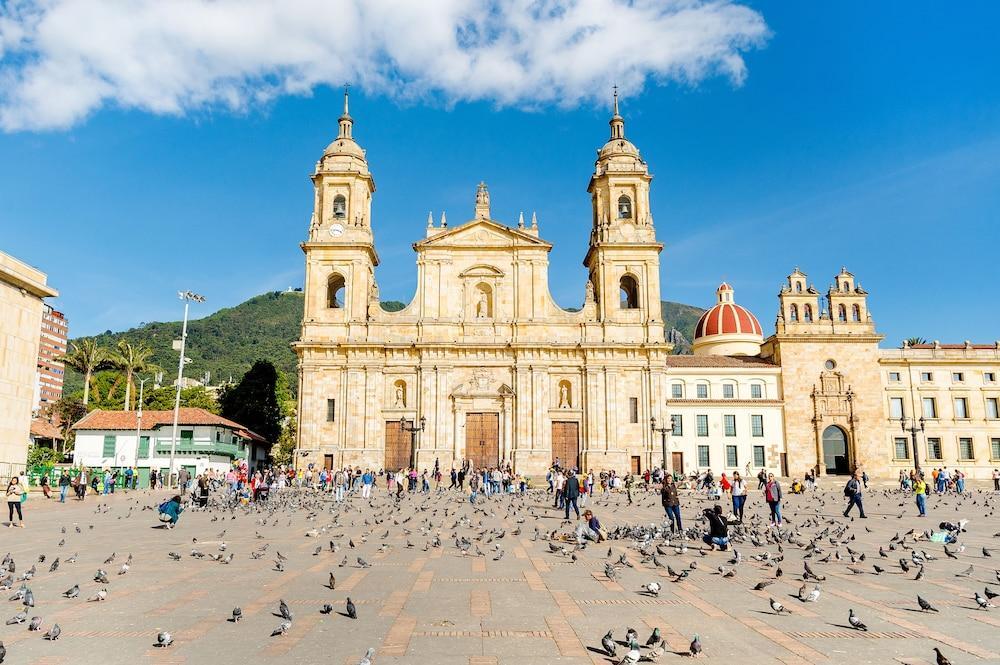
560	482
16	494
81	483
920	492
852	490
761	480
572	492
367	480
671	503
183	478
772	494
996	480
153	476
738	488
64	483
44	482
473	487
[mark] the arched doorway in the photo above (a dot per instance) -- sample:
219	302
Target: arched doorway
835	456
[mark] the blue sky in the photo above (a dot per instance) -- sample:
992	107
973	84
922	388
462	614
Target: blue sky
857	134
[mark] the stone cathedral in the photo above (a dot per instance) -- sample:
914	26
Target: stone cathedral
482	365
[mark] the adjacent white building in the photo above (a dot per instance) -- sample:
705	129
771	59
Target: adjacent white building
107	439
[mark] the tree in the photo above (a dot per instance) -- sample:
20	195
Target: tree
162	399
253	402
913	341
282	451
85	357
42	456
69	409
131	359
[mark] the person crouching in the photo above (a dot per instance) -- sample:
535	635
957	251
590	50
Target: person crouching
718	529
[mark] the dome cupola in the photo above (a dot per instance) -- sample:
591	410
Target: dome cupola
727	329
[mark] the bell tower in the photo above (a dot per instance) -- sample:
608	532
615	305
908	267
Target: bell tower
623	258
340	252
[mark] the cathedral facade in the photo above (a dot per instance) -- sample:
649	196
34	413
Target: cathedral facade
483	366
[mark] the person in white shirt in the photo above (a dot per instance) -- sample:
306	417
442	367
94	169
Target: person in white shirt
739	490
560	486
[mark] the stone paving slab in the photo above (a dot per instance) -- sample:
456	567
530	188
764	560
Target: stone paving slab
418	603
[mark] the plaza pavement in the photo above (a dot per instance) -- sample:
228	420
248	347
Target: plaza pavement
427	604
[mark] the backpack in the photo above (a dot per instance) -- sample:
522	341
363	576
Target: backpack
849	489
163	506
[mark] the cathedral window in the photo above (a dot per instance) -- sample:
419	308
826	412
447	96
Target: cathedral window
339	206
855	313
624	207
798	287
793	313
807	313
335	291
841	313
629	292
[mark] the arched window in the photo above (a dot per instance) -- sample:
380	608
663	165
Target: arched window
841	313
798	287
855	313
629	292
335	291
807	313
793	313
339	206
624	207
843	286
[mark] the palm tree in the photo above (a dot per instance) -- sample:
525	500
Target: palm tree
913	341
131	359
86	357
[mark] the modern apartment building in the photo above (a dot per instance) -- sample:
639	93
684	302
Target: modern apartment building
52	344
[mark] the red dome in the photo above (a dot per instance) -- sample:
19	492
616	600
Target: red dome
727	318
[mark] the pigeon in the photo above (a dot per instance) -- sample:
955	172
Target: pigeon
778	607
925	606
3	652
29	598
631	656
631	634
237	614
657	651
363	563
653	588
35	623
174	555
941	659
654	638
281	629
326	609
283	611
20	617
609	644
54	632
72	592
989	593
813	595
966	573
855	621
352	611
983	602
695	648
332	583
164	639
760	585
99	596
367	660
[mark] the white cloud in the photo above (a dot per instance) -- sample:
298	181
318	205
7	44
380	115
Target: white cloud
61	60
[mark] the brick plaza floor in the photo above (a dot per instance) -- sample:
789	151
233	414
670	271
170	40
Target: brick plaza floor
426	604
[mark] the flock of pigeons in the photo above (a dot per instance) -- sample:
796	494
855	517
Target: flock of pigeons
447	521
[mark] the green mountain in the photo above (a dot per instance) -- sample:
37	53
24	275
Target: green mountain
228	342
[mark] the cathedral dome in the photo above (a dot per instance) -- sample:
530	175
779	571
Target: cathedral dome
727	329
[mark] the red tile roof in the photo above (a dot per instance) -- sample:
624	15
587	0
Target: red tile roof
99	419
45	430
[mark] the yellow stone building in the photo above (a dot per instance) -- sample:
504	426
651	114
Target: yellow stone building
482	365
22	289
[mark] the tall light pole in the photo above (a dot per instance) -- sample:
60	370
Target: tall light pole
663	437
412	429
138	425
187	297
915	426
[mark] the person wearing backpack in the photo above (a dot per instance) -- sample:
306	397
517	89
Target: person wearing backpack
852	490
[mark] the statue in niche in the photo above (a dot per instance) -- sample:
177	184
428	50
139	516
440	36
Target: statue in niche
400	397
564	396
589	296
482	306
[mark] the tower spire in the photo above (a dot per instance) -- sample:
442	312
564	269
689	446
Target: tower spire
346	121
617	122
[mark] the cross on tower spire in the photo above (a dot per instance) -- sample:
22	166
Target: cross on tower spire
346	121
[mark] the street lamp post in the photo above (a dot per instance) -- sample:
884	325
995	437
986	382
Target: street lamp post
413	429
138	425
187	297
915	426
663	437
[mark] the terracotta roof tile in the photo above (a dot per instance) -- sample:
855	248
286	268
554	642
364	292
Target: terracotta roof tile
45	429
99	419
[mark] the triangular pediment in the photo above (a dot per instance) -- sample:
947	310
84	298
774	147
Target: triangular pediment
482	233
